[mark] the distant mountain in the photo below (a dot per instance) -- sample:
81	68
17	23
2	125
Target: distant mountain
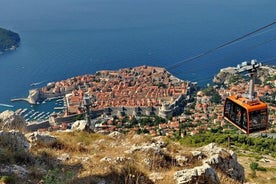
8	40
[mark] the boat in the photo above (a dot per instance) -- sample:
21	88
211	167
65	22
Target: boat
31	116
18	111
23	111
37	116
29	113
6	105
59	108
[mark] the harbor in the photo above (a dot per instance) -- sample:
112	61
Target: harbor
39	113
32	115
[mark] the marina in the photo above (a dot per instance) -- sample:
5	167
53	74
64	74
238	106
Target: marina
35	114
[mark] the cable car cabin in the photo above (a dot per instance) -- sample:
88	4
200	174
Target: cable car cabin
248	116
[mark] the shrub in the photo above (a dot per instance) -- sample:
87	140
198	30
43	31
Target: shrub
57	177
254	165
7	179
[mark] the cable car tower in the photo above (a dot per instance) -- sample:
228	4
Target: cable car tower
247	112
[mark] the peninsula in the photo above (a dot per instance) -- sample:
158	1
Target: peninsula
139	90
8	40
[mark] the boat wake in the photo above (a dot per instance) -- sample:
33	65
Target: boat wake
37	83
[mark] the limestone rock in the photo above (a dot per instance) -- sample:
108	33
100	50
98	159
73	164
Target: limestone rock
121	159
41	139
15	140
156	177
181	160
16	146
79	125
159	141
146	147
10	120
223	160
19	171
204	174
148	162
197	154
115	134
106	159
64	157
156	145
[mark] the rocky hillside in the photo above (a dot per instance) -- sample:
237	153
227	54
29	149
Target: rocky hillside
74	156
79	157
226	76
10	120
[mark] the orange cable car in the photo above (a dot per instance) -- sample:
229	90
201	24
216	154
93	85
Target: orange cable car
248	116
246	112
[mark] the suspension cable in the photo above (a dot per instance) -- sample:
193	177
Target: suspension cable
219	47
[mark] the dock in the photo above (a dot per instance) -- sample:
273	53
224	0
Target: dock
20	99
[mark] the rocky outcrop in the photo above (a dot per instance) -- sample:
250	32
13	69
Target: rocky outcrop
214	159
225	161
10	120
225	74
204	174
79	125
14	141
155	146
14	170
115	134
14	149
41	139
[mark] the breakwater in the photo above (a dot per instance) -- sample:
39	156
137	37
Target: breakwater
20	99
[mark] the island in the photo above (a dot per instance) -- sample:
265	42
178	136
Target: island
8	40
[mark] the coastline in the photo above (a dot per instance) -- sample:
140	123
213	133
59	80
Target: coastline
10	40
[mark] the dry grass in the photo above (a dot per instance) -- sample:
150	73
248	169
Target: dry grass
94	147
86	152
262	177
226	180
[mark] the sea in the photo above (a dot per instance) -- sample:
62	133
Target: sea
65	38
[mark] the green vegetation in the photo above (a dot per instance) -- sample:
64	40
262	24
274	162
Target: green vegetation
57	177
255	166
7	179
215	97
234	79
261	145
8	39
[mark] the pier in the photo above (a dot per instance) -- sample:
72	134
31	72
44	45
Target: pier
20	99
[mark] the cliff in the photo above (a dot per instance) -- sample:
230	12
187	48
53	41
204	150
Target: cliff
228	76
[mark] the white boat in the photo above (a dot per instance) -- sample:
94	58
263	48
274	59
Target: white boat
18	111
6	105
40	114
29	113
23	111
59	108
31	116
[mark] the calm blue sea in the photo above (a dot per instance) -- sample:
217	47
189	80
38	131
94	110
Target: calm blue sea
65	38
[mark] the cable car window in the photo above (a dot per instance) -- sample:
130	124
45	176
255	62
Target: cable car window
257	120
236	114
